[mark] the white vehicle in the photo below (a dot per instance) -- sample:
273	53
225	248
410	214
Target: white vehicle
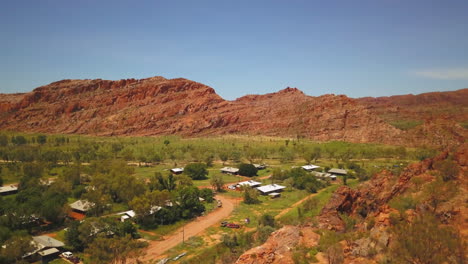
179	256
163	261
67	254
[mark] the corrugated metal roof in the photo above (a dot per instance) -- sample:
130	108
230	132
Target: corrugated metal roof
270	188
338	171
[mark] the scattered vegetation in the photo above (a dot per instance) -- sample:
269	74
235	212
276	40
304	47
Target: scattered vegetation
406	124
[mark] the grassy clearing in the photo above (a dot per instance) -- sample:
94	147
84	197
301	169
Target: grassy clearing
321	199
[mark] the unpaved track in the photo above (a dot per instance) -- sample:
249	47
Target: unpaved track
296	204
157	248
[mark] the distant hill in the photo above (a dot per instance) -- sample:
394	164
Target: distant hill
159	106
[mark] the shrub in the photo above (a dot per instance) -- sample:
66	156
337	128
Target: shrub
196	171
248	170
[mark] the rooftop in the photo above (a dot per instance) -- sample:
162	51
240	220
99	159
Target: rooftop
310	167
249	183
81	205
338	171
47	242
270	188
8	188
230	169
175	170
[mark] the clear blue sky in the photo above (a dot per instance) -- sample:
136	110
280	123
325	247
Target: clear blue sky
357	48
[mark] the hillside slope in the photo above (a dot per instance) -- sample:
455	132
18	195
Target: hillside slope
159	106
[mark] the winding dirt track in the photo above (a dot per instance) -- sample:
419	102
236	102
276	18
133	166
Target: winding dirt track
157	248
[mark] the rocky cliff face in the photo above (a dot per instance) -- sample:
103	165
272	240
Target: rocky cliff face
158	106
372	197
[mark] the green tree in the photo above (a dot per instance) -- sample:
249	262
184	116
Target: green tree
16	247
217	182
207	194
41	139
250	195
115	249
72	236
224	156
266	220
189	202
248	170
196	171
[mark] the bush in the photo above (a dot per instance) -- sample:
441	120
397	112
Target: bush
266	220
250	196
248	170
196	171
207	194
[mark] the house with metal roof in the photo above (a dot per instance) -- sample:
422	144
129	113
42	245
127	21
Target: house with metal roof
338	171
271	188
177	170
7	190
229	170
310	167
81	206
46	248
249	183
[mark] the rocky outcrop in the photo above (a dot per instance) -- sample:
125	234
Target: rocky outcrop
159	106
372	197
279	246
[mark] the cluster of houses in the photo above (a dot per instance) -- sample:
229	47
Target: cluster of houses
272	190
331	174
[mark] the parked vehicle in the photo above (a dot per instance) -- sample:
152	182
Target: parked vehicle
179	256
220	204
67	254
163	261
232	225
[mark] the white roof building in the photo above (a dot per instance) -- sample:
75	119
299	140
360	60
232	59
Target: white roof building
271	188
177	170
249	183
230	170
47	242
338	171
9	189
310	167
82	205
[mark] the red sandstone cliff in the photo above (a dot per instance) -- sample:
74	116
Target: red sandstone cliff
158	106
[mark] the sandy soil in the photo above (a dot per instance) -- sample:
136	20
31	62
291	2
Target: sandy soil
157	248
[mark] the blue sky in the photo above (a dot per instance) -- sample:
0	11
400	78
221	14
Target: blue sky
357	48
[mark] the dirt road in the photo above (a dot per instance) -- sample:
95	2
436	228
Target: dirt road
296	204
157	248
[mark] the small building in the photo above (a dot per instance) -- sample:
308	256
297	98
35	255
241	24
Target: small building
230	170
274	195
249	183
9	189
177	170
126	215
260	166
338	172
310	167
325	176
270	188
81	206
46	248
